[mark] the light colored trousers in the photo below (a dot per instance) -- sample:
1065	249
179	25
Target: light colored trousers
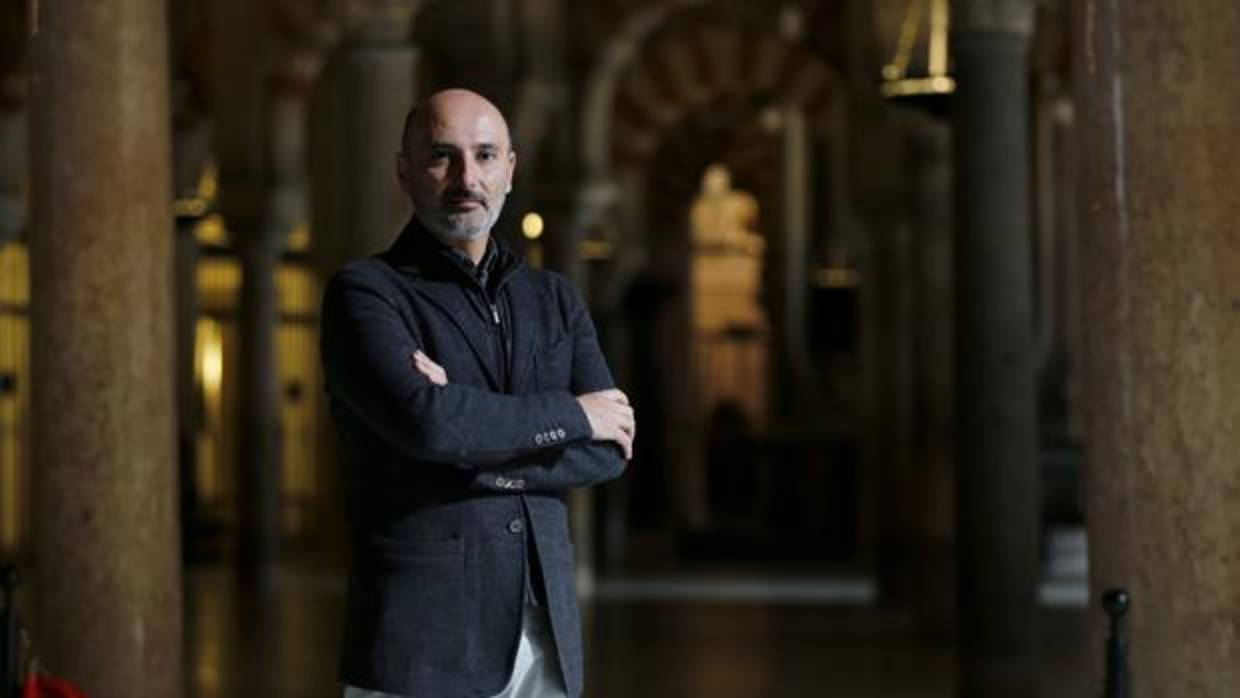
535	673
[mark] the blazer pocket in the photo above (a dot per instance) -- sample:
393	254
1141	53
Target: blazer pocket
418	596
553	365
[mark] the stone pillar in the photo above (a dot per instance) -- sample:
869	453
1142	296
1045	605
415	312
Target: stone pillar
888	286
107	607
376	78
884	302
997	499
804	388
13	128
1157	108
239	140
259	490
288	102
190	153
934	473
13	151
357	110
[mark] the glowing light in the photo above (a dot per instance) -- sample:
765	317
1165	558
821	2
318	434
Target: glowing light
896	79
212	361
211	231
532	226
939	85
299	238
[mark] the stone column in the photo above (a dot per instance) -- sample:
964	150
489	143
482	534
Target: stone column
1157	107
997	498
287	119
357	110
887	302
375	80
190	153
934	475
259	490
107	607
13	129
13	151
871	133
804	388
239	141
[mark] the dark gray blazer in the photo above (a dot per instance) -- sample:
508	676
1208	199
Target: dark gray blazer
450	488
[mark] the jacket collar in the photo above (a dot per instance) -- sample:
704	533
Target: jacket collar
417	250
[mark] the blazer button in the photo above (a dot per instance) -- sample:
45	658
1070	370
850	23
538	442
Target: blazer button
516	526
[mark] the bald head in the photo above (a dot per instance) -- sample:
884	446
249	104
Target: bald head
456	164
452	104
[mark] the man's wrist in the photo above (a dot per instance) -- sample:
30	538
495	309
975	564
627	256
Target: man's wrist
578	427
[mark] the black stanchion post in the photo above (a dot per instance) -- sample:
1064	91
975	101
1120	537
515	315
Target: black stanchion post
10	640
1115	602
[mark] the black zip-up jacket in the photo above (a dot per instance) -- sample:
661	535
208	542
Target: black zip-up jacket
451	488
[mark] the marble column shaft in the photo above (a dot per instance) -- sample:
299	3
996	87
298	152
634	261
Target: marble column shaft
934	477
997	480
107	588
239	138
378	88
13	157
1158	100
259	481
804	388
357	113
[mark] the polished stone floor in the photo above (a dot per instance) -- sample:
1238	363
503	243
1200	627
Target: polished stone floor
283	644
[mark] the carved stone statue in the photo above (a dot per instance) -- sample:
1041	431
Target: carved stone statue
723	217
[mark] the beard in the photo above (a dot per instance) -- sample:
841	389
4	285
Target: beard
461	226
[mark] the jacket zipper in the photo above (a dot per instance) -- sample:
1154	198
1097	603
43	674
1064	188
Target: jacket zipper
498	340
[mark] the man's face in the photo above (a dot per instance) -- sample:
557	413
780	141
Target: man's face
457	165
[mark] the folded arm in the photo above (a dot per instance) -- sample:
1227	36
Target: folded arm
611	418
366	348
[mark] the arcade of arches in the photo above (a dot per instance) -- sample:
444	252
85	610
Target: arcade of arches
920	376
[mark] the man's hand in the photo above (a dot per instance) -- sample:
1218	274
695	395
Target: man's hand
611	418
433	371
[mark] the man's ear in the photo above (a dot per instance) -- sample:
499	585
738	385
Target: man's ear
512	168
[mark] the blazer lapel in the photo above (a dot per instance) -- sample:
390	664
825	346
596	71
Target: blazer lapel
450	298
524	330
443	286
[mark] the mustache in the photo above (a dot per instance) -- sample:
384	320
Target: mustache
461	195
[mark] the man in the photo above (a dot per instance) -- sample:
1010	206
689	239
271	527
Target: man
471	396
